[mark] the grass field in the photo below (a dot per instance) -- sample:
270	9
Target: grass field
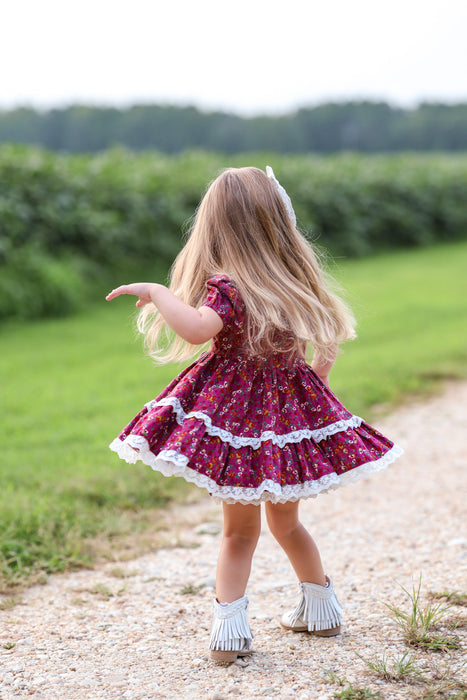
68	386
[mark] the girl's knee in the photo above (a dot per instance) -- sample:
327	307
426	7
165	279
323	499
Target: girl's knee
242	523
282	518
244	541
242	531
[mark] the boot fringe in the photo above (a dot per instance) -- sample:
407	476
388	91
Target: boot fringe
230	629
318	607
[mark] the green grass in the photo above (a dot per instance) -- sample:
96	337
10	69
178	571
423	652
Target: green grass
69	385
355	692
451	597
412	313
394	669
423	628
419	624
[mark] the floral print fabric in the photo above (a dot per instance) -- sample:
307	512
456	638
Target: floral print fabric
251	429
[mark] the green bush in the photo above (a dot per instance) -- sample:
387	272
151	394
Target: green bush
70	225
35	284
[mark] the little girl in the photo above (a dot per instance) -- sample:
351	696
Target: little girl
250	421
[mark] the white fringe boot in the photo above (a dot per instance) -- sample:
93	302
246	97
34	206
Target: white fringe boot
318	611
230	632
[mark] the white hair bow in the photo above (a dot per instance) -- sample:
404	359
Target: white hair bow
285	197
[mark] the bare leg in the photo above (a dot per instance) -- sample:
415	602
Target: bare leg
242	526
296	541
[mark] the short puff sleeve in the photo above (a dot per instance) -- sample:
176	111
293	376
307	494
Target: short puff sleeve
222	297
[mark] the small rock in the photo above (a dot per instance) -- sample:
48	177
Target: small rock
208	582
116	678
457	541
208	529
90	682
27	641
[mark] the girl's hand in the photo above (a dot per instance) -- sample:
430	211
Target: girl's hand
196	326
138	289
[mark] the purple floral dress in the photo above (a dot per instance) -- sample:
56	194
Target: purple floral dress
252	429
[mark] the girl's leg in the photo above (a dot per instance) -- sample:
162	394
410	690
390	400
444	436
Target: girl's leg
242	526
296	541
230	632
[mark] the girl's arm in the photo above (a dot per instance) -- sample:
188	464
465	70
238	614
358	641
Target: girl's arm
323	366
196	326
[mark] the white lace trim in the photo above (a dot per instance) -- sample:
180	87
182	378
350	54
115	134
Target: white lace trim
240	441
172	463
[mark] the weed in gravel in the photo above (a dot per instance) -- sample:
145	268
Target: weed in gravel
78	601
118	572
181	544
150	579
456	621
441	680
355	692
403	669
191	589
452	597
445	690
8	603
329	676
351	692
101	590
418	624
9	645
446	672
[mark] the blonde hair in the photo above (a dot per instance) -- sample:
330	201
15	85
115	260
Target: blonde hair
242	229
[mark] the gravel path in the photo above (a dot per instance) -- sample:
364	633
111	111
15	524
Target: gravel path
138	629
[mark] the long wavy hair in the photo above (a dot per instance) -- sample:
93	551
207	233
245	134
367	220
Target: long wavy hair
242	229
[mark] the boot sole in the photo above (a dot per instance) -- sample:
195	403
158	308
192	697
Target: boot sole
331	632
227	657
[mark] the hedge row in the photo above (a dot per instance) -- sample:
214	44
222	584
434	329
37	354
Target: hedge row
71	223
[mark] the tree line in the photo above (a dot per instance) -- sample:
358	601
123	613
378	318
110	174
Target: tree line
72	225
368	127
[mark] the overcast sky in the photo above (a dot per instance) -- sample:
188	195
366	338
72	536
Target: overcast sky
246	56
